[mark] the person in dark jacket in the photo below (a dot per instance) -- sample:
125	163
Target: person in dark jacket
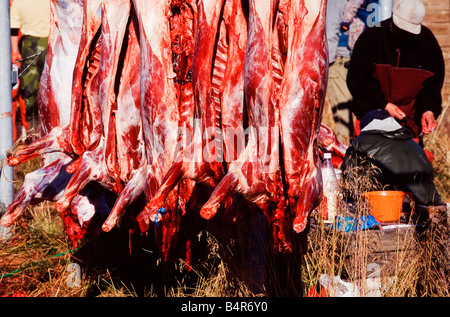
399	67
386	151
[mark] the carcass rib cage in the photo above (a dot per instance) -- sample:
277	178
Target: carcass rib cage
142	71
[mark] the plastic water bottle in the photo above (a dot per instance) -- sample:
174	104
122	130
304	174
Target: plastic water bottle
330	202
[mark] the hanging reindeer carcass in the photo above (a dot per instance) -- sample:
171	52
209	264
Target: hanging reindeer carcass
169	96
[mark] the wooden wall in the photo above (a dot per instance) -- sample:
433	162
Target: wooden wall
437	18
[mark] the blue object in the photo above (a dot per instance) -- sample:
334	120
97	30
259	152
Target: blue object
363	13
161	211
347	224
379	114
343	39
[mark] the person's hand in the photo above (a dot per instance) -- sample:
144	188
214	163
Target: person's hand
15	56
428	122
15	51
395	111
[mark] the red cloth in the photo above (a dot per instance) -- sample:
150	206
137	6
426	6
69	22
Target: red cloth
400	86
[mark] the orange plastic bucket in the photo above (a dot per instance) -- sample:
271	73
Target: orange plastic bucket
385	205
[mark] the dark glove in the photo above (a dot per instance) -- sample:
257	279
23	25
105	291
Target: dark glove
344	27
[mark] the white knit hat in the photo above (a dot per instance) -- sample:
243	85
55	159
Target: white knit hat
408	15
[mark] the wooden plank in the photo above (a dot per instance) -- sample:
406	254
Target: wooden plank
438	28
446	53
393	237
437	16
431	5
386	240
443	40
390	247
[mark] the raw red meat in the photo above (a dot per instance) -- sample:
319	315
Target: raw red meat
99	163
301	103
48	182
255	174
328	142
148	99
198	160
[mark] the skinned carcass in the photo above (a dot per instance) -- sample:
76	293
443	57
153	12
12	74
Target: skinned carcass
48	182
131	155
256	173
81	109
301	102
228	81
328	142
99	163
160	117
174	99
198	160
